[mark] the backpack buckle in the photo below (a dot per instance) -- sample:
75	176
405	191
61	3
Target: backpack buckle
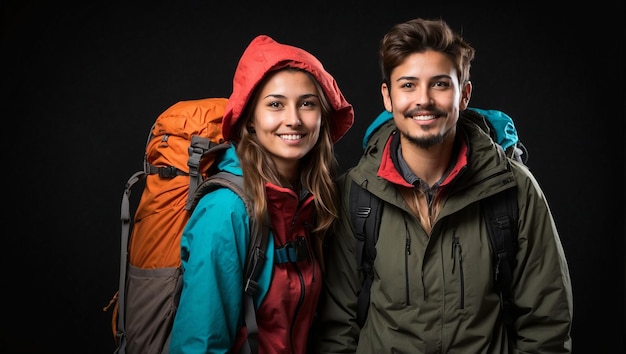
363	212
168	172
293	251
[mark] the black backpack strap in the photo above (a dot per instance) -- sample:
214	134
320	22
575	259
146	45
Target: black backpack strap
365	213
501	214
259	236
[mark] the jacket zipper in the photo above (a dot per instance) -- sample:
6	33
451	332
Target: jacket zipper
300	279
457	250
298	306
406	262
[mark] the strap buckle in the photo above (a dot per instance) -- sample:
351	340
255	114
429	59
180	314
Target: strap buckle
293	251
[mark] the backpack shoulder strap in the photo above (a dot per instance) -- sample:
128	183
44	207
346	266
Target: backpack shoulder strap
365	213
501	214
119	315
259	235
199	148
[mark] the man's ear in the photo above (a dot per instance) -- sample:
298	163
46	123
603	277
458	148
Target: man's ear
384	91
466	94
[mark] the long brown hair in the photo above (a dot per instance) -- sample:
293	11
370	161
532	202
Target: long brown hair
317	169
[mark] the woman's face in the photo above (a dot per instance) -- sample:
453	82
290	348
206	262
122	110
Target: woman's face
287	118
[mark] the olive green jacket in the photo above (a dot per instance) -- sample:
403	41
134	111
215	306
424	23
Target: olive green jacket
433	293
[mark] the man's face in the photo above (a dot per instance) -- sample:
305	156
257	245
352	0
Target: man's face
425	97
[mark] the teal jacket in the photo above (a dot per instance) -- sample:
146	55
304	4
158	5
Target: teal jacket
433	292
218	233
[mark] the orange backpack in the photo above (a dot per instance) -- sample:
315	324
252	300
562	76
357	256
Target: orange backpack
181	148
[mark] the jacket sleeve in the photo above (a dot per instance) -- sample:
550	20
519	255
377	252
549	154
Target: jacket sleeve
338	331
542	287
213	249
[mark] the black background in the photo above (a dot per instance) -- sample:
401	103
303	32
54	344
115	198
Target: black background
82	84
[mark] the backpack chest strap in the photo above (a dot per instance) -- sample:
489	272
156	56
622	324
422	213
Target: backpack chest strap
292	251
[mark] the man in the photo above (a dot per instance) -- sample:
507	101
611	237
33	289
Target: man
432	290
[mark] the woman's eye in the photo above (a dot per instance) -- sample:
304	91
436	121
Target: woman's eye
309	104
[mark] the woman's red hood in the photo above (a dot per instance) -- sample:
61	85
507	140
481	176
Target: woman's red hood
264	55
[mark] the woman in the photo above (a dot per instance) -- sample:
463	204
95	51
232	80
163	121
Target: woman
283	116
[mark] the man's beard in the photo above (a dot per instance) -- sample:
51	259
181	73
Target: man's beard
428	141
